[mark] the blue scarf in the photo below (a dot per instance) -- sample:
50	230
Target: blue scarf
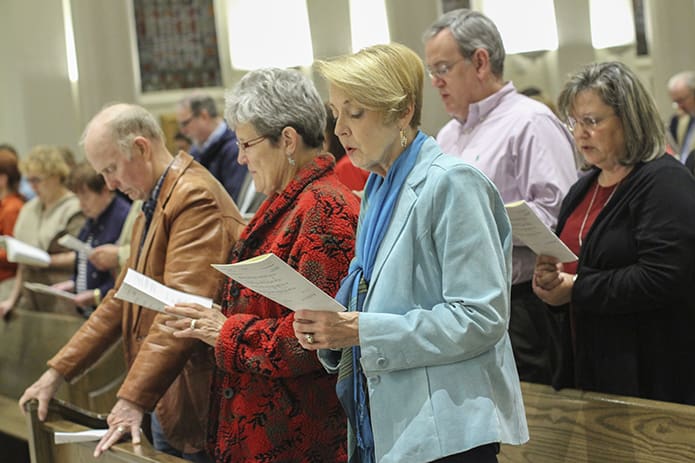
380	197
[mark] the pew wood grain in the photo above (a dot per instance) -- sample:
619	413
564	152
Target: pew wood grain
575	427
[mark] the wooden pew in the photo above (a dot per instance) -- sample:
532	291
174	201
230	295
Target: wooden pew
576	427
63	417
27	340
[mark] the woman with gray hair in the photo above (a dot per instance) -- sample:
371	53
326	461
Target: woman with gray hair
271	399
631	221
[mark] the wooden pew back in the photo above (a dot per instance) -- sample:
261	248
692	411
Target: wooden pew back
576	427
67	418
28	339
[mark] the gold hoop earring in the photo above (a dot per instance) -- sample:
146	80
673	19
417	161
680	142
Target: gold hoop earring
404	139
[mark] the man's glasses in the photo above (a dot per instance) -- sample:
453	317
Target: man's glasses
442	69
588	122
244	145
185	122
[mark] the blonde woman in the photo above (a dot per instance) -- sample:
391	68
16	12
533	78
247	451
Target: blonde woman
54	212
426	371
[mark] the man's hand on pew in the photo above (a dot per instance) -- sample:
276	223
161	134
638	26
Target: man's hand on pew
43	390
125	417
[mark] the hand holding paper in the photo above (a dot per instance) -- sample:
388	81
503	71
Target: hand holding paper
530	230
45	289
23	253
273	278
70	242
146	292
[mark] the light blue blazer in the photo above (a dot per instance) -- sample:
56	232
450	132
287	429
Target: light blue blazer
435	349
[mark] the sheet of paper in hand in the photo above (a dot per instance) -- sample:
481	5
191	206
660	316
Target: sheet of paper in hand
146	292
273	278
530	230
70	242
45	289
23	253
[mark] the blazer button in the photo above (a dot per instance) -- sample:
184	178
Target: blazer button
381	362
228	393
235	291
374	380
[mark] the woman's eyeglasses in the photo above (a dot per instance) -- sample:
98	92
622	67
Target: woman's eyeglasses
588	122
244	145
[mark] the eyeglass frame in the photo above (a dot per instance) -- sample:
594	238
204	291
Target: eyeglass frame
589	123
442	69
244	145
185	122
35	179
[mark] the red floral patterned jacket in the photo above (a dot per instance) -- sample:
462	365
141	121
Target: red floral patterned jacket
271	400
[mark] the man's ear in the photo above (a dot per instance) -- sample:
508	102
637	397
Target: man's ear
481	61
142	147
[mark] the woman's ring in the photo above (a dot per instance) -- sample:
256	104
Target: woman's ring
193	320
120	429
309	338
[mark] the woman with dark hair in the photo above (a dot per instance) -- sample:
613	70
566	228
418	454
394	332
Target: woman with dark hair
106	213
631	221
11	203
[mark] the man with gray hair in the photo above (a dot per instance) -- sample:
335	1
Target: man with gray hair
188	221
681	89
214	143
519	144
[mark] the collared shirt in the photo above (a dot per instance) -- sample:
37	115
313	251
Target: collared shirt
526	152
149	205
214	136
106	228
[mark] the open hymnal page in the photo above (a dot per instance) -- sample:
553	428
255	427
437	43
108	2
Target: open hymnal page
23	253
70	242
45	289
273	278
61	437
144	291
530	230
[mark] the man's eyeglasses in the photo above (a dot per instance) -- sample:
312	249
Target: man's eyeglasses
442	69
185	122
588	122
244	145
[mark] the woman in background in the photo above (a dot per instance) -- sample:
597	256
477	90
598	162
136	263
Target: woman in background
631	221
11	203
106	213
54	212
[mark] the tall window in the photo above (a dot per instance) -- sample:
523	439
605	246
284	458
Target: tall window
368	23
269	33
612	23
525	26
